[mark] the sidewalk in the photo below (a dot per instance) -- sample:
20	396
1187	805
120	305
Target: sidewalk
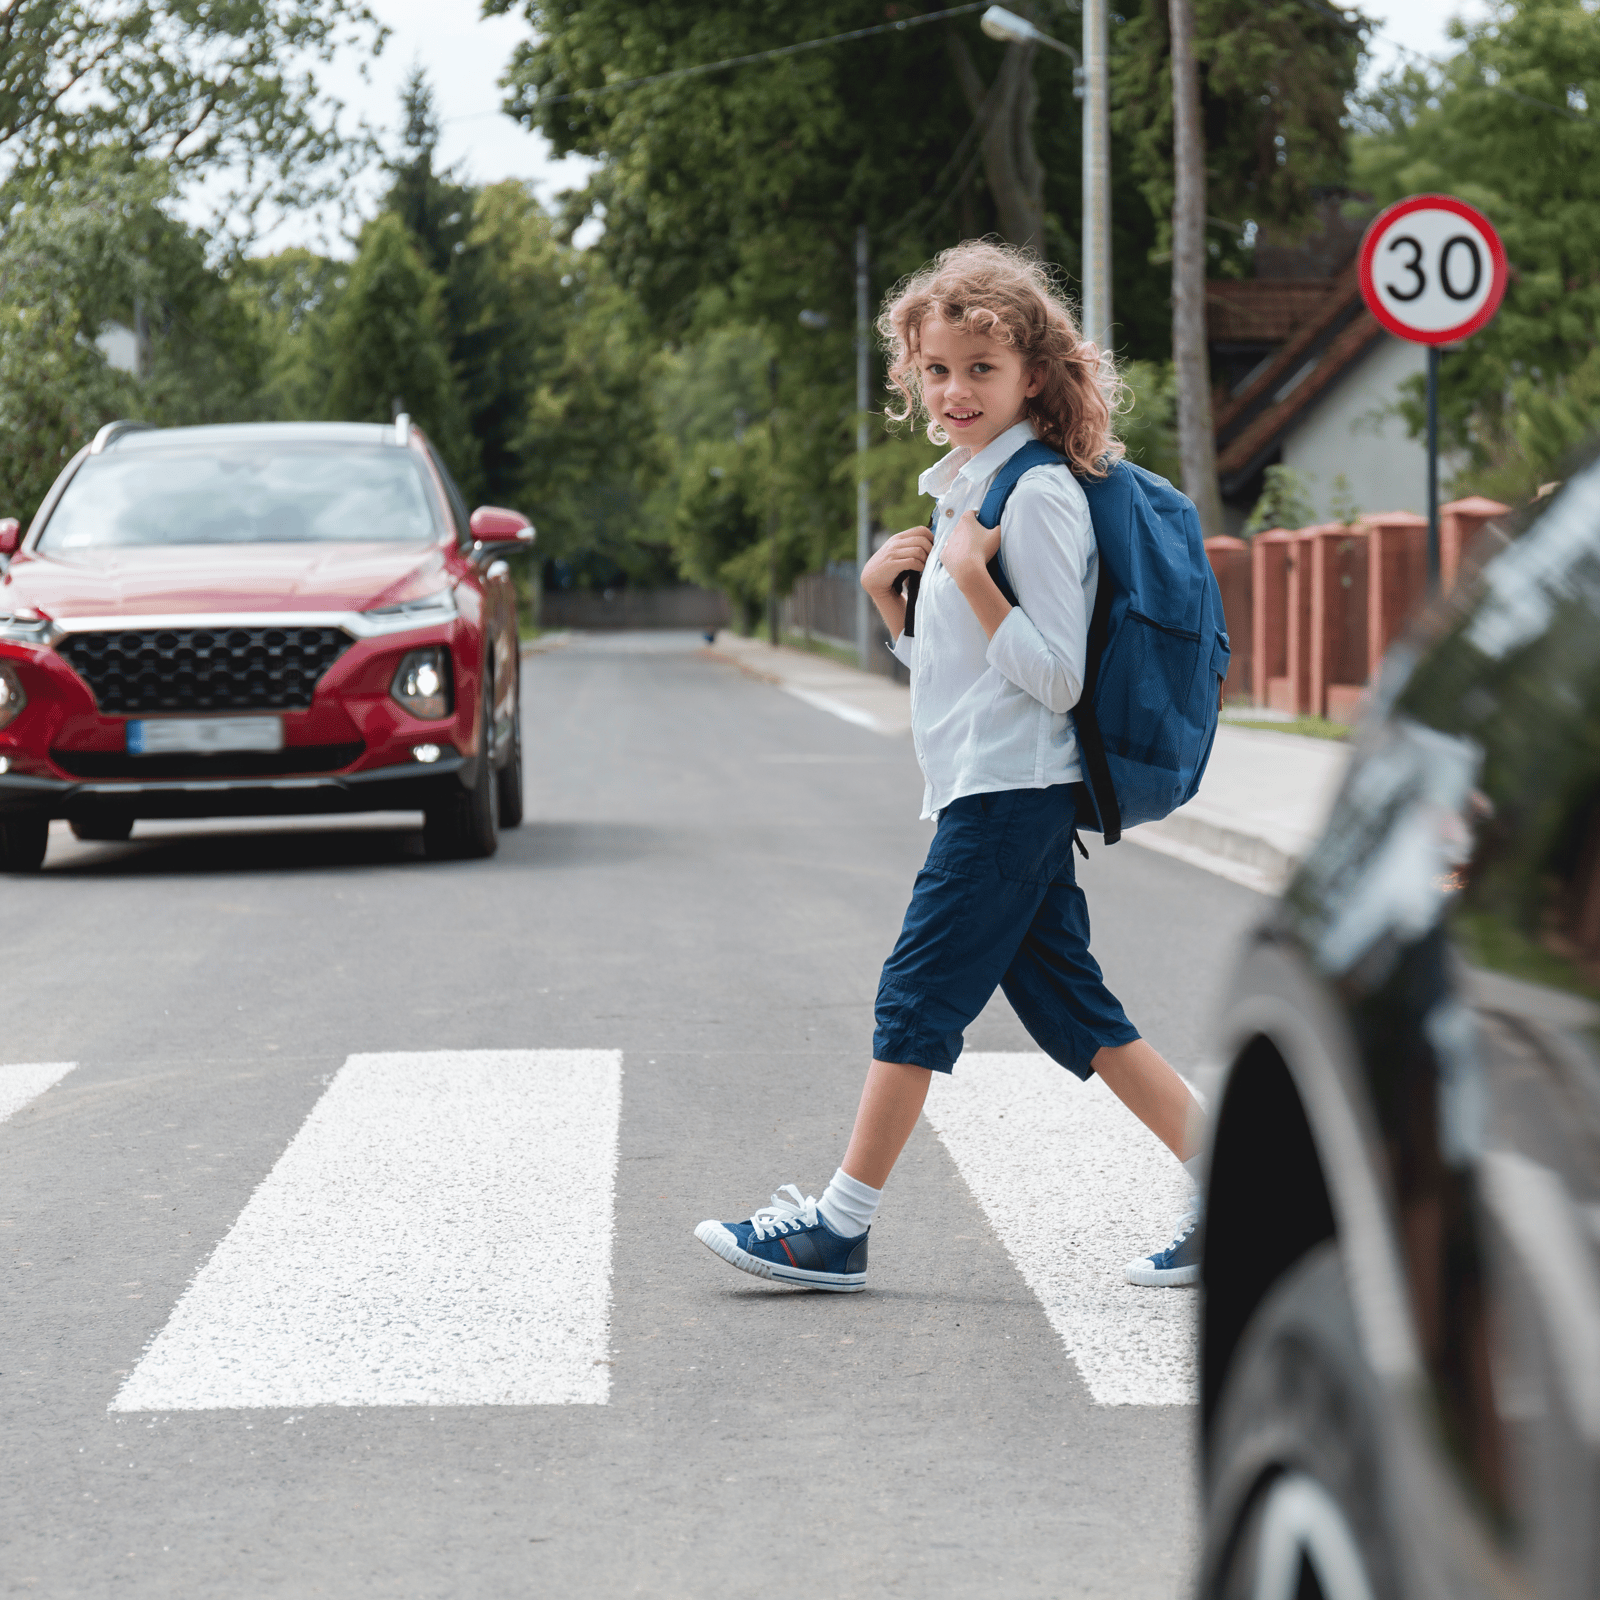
1263	801
878	704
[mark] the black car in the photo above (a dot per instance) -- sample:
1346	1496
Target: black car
1400	1341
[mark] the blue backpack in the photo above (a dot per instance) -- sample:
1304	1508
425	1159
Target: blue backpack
1158	644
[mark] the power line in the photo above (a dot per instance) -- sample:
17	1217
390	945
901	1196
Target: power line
761	55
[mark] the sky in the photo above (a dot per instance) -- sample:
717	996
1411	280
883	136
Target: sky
464	54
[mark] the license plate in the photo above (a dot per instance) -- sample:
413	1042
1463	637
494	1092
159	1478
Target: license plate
172	736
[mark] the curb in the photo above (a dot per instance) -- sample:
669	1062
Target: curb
1232	853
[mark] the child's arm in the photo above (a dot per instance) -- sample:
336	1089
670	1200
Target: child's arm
910	549
1040	643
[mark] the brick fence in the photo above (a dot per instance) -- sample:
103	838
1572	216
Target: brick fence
1311	611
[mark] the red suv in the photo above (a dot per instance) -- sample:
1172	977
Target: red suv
253	619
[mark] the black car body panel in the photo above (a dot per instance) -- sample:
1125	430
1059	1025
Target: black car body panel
1411	1071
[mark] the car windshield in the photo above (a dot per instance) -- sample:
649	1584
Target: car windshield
257	493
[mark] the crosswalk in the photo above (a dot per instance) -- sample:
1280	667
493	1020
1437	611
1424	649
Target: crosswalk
22	1081
1075	1187
439	1232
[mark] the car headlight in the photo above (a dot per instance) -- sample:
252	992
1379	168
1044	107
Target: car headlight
422	683
27	627
12	695
440	607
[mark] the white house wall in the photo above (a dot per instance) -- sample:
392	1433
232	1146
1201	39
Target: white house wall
1354	428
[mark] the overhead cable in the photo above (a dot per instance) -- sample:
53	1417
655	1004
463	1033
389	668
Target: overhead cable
761	55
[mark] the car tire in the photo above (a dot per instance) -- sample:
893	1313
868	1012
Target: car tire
465	825
108	829
1295	1472
509	778
23	842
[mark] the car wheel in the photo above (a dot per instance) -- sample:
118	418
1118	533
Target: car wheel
23	841
1296	1503
509	778
466	824
108	829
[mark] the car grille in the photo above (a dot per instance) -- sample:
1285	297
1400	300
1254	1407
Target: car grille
204	669
295	761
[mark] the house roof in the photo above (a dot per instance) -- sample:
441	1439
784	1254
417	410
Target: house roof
1250	424
1252	311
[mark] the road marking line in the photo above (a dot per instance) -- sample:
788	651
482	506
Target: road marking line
22	1081
843	709
1076	1188
438	1232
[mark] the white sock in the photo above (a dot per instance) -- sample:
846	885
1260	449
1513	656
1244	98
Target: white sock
848	1205
1192	1167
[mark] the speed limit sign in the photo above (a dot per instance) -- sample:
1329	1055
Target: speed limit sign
1432	269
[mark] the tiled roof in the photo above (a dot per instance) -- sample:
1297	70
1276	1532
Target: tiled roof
1262	310
1250	423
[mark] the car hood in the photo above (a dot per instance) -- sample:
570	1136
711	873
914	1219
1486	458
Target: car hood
213	578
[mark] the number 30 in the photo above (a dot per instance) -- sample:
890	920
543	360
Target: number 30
1459	241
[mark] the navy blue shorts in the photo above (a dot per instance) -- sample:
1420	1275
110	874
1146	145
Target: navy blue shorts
997	903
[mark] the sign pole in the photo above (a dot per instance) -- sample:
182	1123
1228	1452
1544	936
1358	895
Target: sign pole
1433	469
1432	271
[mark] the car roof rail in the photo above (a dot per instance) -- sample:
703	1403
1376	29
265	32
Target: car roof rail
115	430
402	427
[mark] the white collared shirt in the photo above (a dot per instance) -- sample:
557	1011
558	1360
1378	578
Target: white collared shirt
990	714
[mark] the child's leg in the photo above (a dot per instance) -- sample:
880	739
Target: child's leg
891	1102
1154	1093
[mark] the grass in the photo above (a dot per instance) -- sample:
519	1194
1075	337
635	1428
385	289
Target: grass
1492	941
796	640
1305	727
821	647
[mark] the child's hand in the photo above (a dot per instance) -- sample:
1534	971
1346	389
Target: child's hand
969	549
909	549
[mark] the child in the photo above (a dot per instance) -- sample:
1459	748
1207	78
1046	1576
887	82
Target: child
983	341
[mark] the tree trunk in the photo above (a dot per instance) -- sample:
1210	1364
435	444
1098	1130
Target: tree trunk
1197	440
1005	116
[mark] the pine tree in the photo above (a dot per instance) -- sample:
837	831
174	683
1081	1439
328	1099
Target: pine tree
388	345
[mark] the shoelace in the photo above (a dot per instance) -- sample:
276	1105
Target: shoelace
1187	1223
782	1215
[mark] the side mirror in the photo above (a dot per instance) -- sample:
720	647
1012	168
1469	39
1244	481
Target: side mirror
10	536
496	525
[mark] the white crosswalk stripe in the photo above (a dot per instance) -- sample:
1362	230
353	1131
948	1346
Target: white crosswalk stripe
22	1081
439	1232
1076	1187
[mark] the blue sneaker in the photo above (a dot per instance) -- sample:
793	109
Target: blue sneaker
1176	1266
788	1242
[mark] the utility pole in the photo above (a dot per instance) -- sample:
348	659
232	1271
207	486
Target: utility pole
1096	176
1090	84
863	400
772	506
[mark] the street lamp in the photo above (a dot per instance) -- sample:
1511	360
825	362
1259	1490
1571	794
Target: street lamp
1091	86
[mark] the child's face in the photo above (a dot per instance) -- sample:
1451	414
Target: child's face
974	385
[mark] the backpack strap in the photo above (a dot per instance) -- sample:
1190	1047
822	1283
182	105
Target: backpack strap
1091	745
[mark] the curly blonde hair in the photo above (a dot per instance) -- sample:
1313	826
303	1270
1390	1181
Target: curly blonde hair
980	286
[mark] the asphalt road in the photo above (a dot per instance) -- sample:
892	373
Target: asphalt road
709	879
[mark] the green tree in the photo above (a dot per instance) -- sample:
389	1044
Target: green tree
89	244
588	445
720	528
191	86
1276	77
291	296
387	345
1510	125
